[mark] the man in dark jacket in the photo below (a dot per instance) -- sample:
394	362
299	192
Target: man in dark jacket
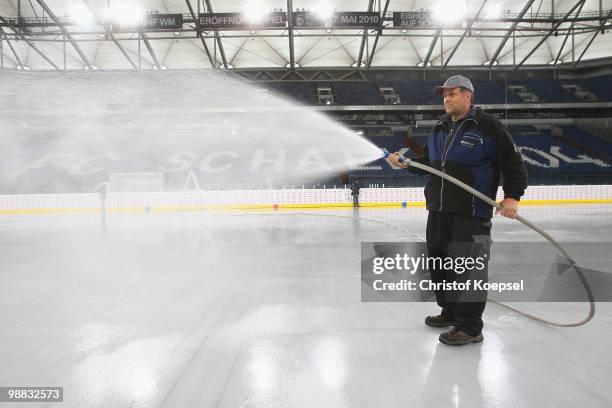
475	148
355	192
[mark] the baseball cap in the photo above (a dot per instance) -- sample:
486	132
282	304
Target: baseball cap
453	82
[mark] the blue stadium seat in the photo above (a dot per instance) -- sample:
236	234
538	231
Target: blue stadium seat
300	91
356	93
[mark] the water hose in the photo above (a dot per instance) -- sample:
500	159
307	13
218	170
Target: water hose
572	263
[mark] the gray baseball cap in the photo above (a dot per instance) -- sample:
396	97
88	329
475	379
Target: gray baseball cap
454	82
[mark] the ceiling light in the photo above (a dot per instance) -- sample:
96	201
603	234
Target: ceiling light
324	10
448	11
126	14
81	15
254	11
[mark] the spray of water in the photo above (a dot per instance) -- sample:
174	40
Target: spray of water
68	131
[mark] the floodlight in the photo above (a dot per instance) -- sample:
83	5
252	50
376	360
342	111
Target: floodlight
324	10
448	11
254	11
81	14
126	14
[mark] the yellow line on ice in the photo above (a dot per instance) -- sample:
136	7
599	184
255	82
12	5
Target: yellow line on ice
172	208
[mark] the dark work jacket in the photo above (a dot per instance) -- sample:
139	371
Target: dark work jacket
476	154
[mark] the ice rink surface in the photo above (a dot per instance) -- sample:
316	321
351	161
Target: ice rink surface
263	309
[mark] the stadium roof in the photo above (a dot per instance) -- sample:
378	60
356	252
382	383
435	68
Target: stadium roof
53	34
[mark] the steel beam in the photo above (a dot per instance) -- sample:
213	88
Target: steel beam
217	36
573	48
39	22
364	36
166	36
18	32
567	35
66	33
290	27
343	46
601	28
467	30
434	40
378	33
13	51
550	32
274	50
345	50
389	30
199	33
299	61
150	49
231	62
509	33
110	34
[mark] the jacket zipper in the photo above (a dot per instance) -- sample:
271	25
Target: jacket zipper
473	206
445	153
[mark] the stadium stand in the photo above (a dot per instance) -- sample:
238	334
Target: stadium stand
357	93
416	92
546	90
493	92
587	143
558	159
420	92
300	91
600	86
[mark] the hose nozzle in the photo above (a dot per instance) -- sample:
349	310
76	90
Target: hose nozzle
386	154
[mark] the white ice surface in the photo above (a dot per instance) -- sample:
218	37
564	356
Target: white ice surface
264	310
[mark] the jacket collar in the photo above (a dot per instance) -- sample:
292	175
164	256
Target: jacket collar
445	120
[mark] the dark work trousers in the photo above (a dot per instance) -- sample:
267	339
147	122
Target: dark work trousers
459	236
355	200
